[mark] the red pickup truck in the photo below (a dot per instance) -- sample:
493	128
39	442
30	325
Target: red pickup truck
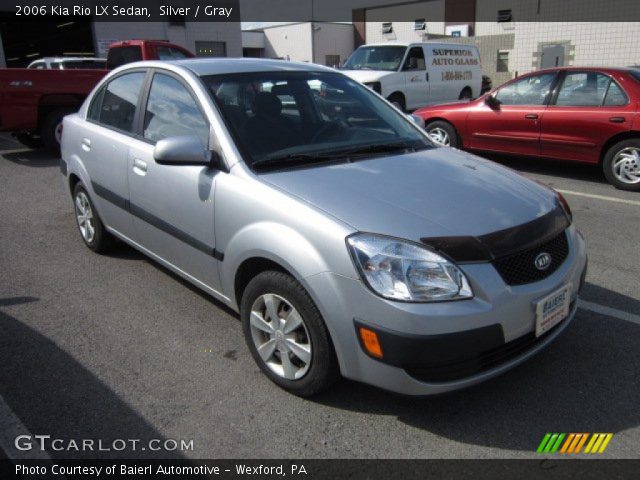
33	102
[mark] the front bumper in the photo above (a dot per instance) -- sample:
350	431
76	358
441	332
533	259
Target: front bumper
438	347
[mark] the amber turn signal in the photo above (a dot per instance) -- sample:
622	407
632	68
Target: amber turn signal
370	342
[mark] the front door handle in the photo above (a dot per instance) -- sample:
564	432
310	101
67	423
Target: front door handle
617	119
531	116
139	166
86	144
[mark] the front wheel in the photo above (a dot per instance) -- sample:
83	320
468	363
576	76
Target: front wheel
621	165
442	134
286	334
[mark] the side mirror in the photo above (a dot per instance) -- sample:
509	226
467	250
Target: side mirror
492	102
417	119
186	150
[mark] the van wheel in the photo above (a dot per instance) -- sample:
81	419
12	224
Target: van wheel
398	101
287	335
91	228
621	165
51	129
442	133
465	94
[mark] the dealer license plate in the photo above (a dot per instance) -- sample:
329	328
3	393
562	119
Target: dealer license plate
552	309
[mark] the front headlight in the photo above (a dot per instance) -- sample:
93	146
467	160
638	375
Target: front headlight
375	86
401	270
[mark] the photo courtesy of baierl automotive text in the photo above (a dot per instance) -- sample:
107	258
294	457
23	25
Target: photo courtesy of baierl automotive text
329	239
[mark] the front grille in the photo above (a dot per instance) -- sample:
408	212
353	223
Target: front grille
520	268
480	362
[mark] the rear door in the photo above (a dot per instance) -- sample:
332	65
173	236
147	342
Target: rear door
104	143
512	123
414	70
172	205
588	109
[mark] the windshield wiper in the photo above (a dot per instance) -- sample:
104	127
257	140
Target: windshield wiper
294	160
306	159
379	148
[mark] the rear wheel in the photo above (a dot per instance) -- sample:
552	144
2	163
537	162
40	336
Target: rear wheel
398	101
286	334
29	140
442	134
51	129
621	165
92	230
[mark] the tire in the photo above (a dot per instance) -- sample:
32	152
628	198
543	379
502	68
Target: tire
621	165
28	140
287	297
101	240
442	134
398	100
49	130
465	94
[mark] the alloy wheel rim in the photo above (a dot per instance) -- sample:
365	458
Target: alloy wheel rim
280	336
626	165
439	136
84	216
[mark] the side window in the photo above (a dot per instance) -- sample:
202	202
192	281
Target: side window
172	111
587	89
115	104
531	90
415	60
615	96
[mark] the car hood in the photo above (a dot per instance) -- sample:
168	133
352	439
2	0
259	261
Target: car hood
364	76
455	105
438	192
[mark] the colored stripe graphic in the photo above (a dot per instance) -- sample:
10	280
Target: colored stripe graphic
572	443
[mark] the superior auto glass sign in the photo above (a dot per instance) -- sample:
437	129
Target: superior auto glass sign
450	56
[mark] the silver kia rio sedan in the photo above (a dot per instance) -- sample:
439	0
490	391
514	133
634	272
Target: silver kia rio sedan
349	244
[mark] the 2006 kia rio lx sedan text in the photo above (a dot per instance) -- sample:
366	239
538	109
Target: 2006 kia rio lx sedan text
347	241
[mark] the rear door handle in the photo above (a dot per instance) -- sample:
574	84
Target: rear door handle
617	119
139	166
531	116
86	144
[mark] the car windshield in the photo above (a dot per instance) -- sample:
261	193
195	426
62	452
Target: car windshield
290	119
375	58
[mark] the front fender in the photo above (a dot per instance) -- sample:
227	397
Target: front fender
272	241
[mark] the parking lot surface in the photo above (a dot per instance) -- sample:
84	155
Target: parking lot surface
116	347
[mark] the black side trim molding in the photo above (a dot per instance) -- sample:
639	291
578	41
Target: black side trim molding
492	246
157	222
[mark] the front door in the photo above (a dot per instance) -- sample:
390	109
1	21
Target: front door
172	205
512	122
415	75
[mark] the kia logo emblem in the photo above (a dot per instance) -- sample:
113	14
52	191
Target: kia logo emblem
543	261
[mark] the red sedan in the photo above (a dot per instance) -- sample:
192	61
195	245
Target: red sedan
581	114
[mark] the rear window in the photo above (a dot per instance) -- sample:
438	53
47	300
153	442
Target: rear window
118	56
635	74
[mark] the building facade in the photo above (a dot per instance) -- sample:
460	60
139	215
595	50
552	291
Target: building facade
513	36
325	43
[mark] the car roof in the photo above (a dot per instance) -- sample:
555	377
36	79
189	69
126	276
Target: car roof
216	66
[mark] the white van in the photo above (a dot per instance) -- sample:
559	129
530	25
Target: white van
412	75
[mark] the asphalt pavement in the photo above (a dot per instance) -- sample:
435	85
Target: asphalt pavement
108	347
